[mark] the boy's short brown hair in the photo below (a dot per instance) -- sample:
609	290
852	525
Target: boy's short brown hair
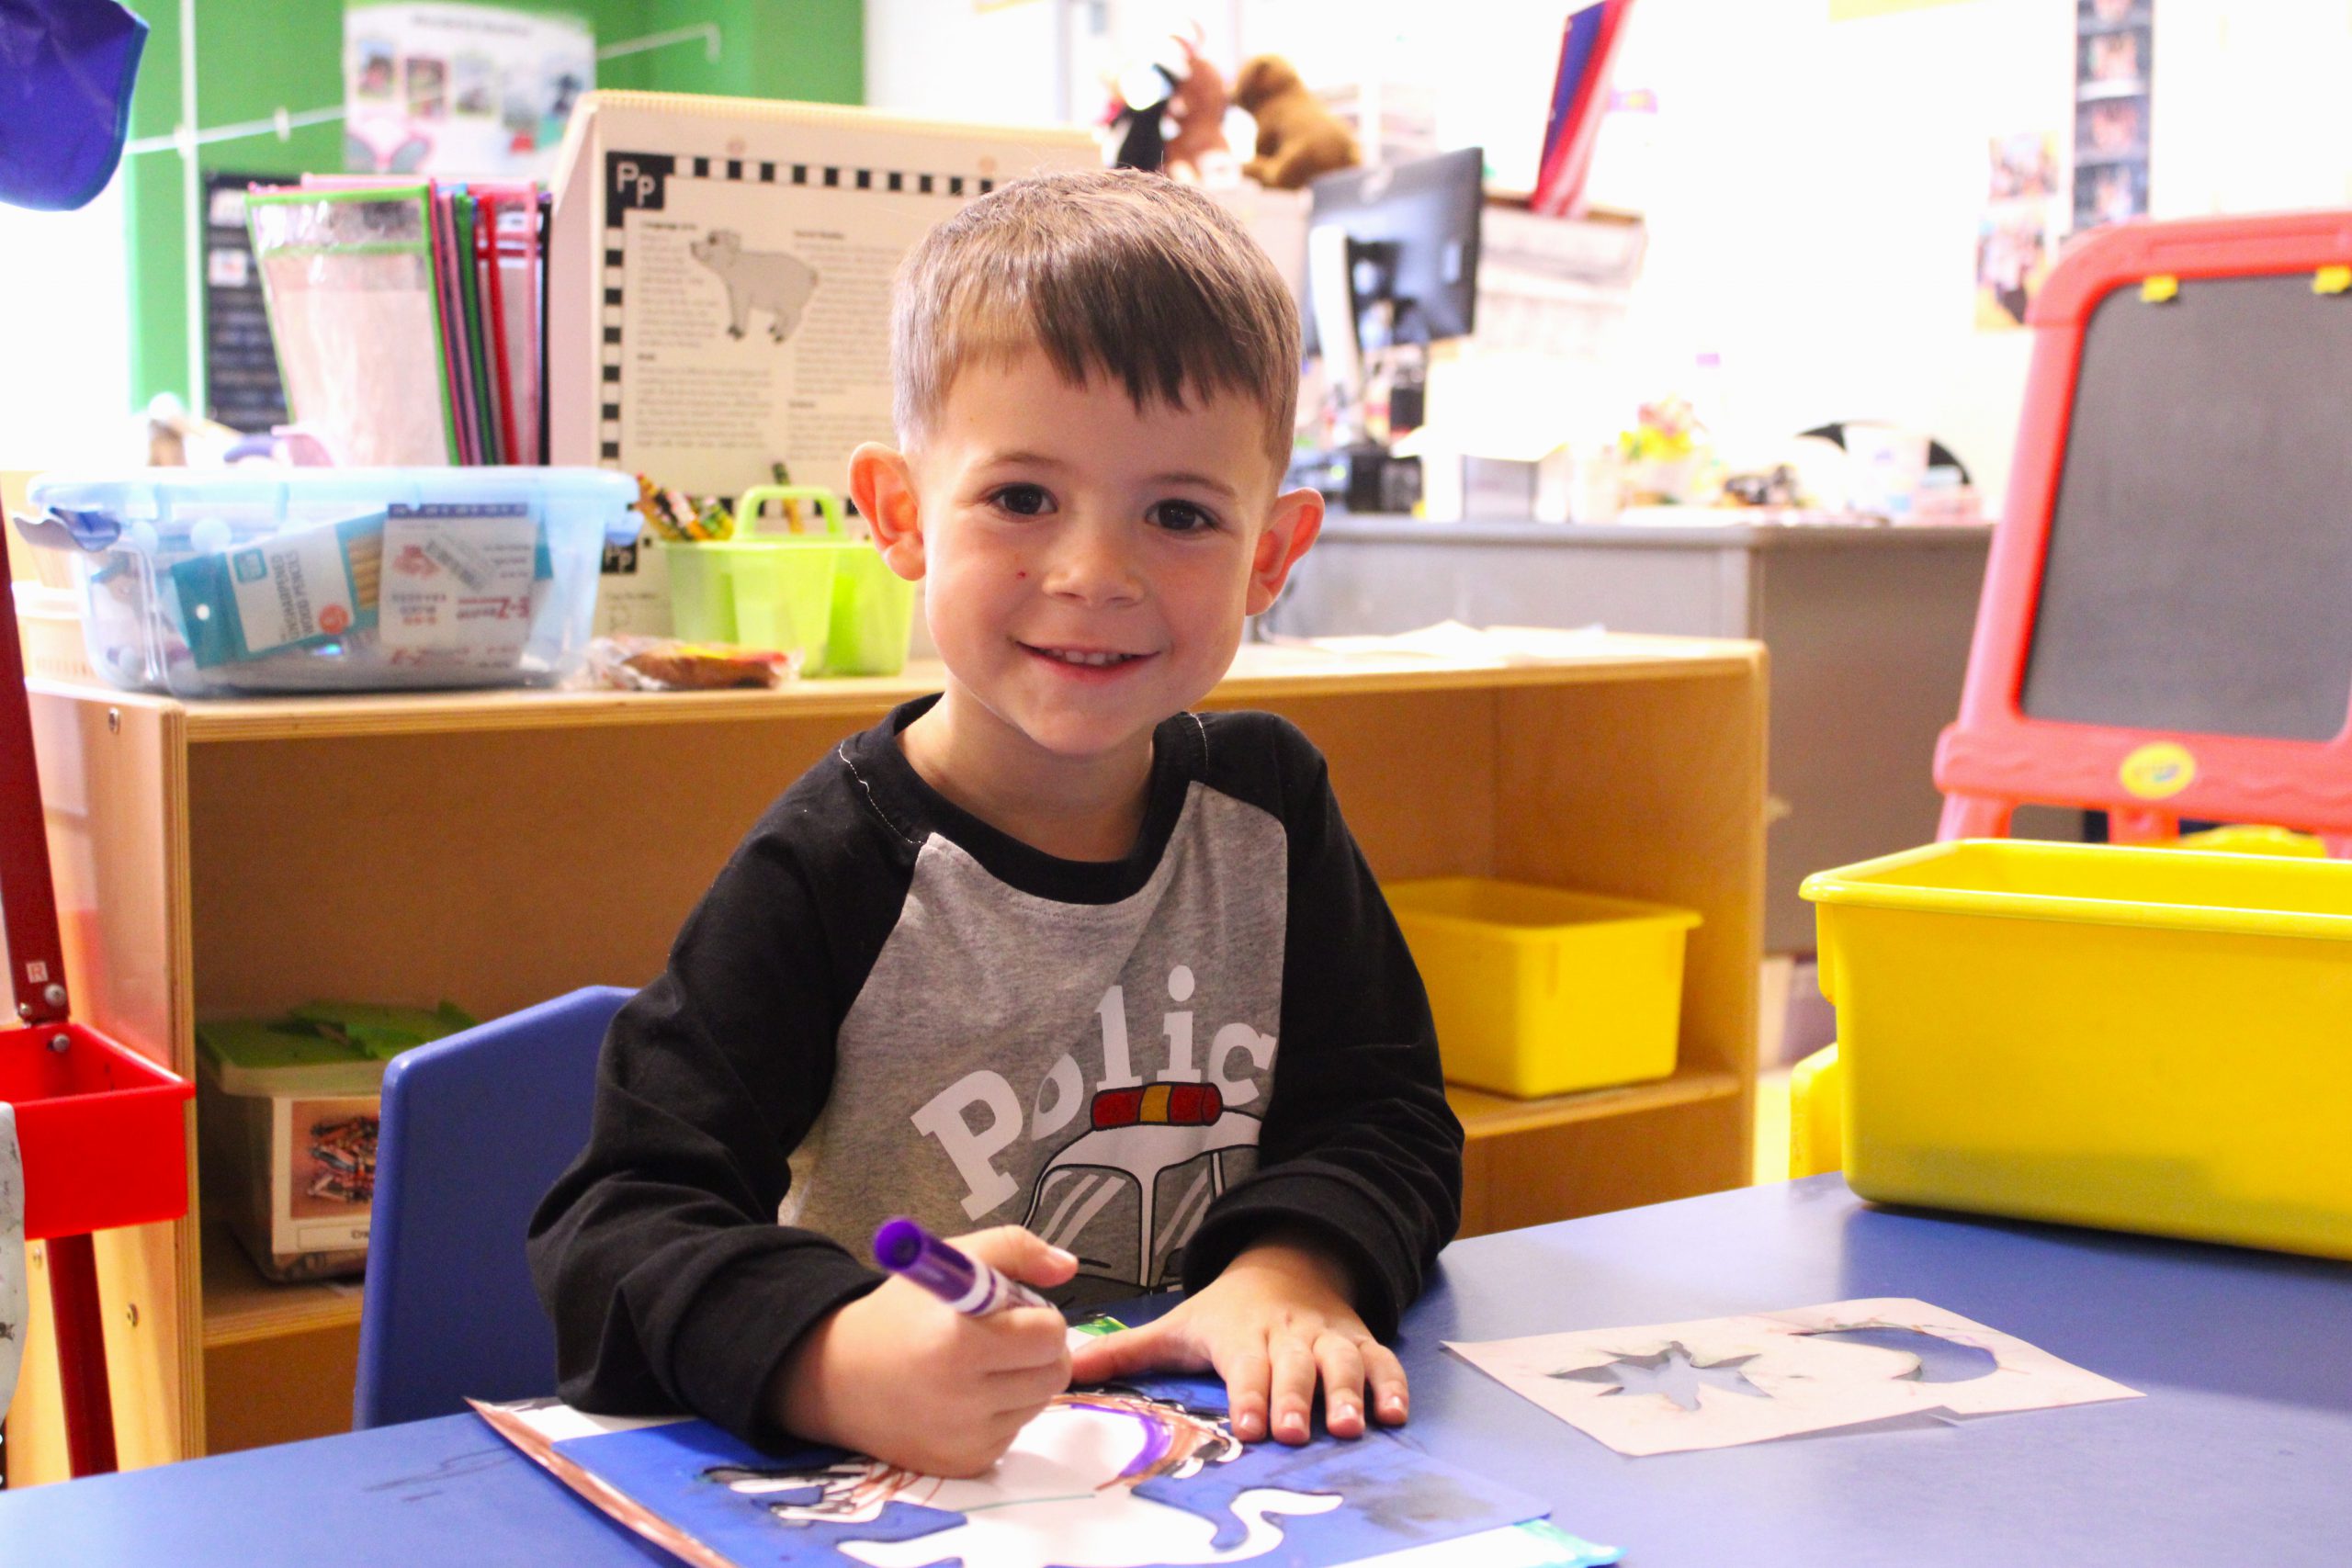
1108	271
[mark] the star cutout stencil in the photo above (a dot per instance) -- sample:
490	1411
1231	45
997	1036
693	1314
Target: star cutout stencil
1671	1372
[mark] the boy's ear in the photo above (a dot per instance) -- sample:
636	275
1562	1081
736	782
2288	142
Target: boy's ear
1296	518
884	487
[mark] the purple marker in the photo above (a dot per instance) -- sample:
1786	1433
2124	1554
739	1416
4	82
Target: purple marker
968	1285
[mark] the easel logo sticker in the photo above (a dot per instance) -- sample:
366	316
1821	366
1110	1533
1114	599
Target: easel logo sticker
2158	771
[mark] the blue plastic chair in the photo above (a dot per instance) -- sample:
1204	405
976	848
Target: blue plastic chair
475	1129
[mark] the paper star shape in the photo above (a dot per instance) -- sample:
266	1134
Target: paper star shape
1671	1372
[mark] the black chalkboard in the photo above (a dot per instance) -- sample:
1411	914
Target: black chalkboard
2198	574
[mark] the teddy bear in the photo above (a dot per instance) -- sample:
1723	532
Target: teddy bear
1297	137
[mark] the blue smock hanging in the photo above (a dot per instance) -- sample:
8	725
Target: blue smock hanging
66	67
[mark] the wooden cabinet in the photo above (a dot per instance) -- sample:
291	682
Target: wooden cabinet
497	848
1869	629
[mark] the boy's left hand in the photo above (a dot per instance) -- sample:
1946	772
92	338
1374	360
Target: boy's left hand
1274	1323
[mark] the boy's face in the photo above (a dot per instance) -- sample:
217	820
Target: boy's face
1090	565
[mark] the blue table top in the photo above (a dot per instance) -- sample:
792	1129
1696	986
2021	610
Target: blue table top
2242	1450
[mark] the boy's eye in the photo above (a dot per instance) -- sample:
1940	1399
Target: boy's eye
1023	500
1183	517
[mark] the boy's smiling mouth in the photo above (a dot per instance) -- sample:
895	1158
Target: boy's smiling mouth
1083	658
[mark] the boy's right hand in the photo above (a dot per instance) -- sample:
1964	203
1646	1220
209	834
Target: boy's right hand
900	1375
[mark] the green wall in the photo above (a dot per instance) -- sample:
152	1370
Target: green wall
255	56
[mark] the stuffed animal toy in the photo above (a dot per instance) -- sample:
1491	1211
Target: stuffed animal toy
1133	125
1197	110
1297	137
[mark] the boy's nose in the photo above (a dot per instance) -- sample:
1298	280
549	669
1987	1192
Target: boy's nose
1092	563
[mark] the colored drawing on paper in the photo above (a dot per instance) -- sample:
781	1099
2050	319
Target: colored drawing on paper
1713	1384
1102	1479
1065	1497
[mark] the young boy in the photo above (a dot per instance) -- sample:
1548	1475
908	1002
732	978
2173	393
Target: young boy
1048	953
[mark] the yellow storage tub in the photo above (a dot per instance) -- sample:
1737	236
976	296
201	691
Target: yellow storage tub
1540	991
2125	1037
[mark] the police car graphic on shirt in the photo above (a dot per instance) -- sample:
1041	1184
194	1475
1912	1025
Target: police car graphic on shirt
1127	1194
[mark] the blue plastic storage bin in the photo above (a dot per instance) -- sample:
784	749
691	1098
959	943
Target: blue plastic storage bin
214	582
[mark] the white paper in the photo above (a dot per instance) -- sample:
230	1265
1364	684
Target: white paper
750	292
1766	1375
1061	1459
1538	1544
741	318
1455	642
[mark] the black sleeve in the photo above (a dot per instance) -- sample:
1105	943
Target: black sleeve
658	1254
1359	1145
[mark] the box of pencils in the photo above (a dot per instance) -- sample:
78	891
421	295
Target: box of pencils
215	583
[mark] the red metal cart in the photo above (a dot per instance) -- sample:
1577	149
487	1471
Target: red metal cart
103	1130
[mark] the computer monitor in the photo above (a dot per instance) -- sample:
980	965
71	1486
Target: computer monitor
1409	270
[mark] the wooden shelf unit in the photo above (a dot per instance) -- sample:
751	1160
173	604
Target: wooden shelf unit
496	849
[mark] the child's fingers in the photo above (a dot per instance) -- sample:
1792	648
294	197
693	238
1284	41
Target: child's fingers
1024	1391
1341	1364
1156	1347
1013	1340
1386	1373
1291	1399
1020	1252
1246	1372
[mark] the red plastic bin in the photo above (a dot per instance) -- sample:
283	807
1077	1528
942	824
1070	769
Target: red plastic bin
102	1130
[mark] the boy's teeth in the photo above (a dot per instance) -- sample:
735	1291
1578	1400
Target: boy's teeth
1069	656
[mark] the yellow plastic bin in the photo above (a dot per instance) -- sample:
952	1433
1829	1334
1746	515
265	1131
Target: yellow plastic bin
2126	1037
1540	991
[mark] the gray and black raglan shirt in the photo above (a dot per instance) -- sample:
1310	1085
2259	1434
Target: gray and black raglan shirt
885	1006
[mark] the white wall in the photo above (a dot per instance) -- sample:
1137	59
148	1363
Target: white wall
64	339
1812	205
1812	187
950	60
1817	184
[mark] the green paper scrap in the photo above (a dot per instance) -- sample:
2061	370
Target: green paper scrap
1099	1325
382	1030
252	1042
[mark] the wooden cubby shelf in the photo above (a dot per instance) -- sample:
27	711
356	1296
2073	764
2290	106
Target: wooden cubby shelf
496	849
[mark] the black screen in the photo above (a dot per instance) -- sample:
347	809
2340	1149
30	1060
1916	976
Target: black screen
2198	576
1427	211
